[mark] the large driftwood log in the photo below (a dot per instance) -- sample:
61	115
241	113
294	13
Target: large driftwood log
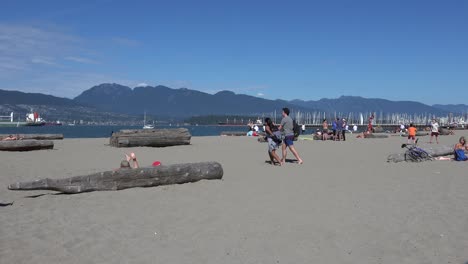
127	178
433	150
372	135
35	136
418	134
233	133
378	129
150	138
25	145
240	133
445	132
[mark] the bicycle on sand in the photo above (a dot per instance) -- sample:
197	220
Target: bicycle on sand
416	154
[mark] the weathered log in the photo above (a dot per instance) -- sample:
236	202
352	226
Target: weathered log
240	133
433	150
233	133
445	132
127	178
150	138
25	145
35	136
375	135
378	129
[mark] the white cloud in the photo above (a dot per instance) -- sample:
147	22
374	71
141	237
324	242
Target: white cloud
260	94
142	85
81	60
26	47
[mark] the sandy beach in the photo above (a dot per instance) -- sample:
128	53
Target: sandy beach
345	204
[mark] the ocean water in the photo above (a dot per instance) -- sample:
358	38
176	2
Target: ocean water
80	131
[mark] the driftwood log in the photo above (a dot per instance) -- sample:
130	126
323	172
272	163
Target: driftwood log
375	135
150	138
445	132
418	134
433	150
240	133
127	178
378	129
35	136
233	133
25	145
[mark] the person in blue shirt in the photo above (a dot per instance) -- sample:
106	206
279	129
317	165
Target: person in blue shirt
334	129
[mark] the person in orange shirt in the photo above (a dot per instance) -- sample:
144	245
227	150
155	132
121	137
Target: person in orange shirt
412	133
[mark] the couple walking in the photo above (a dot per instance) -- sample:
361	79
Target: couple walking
285	128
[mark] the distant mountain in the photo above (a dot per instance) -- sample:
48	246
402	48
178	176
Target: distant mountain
53	108
165	101
16	97
114	102
357	104
458	108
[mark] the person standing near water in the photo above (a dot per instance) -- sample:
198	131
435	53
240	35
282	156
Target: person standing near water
286	127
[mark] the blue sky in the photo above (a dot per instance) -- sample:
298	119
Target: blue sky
397	50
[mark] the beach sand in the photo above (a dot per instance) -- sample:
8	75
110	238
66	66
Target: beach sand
345	204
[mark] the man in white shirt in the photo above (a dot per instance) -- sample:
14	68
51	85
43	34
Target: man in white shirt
434	131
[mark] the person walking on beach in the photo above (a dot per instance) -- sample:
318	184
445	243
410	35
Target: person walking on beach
434	131
412	133
286	127
274	141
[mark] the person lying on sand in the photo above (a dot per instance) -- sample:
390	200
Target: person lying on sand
10	137
363	134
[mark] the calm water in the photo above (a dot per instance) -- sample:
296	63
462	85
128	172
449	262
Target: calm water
106	131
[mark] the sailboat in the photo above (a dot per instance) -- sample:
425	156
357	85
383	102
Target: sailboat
147	126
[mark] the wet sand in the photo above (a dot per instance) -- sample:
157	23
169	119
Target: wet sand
345	204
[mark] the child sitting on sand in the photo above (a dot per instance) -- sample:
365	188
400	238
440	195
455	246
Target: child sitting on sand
125	164
459	150
133	158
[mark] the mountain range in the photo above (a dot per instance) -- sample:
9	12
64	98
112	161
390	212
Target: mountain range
115	101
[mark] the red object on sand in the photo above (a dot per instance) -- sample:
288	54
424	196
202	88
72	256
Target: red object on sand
156	163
